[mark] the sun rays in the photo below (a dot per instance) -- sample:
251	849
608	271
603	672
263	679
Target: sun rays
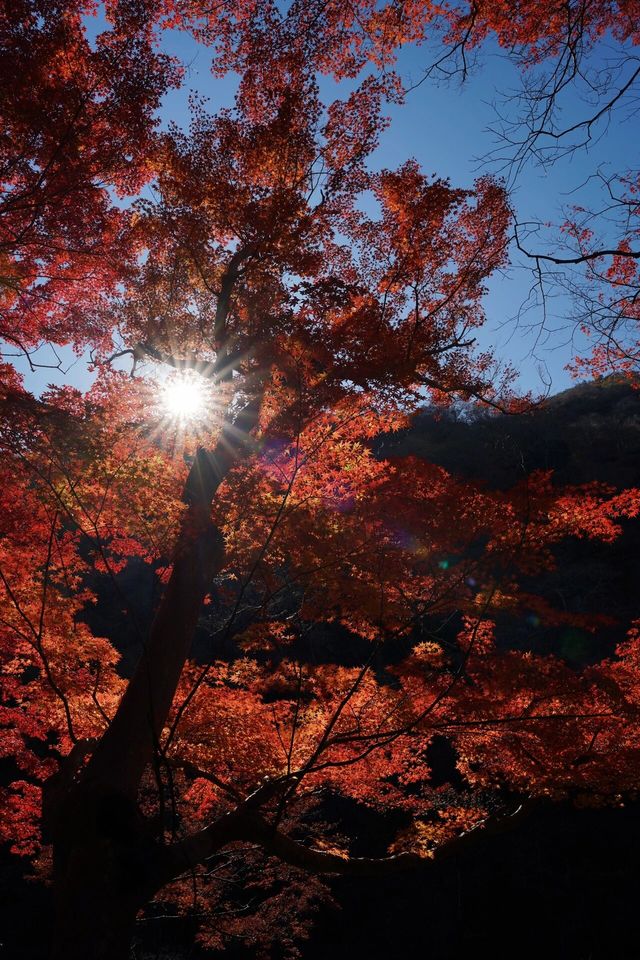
184	399
186	411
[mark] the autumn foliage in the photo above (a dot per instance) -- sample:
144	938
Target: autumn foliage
320	302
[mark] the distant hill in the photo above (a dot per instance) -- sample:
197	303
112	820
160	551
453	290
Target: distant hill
590	432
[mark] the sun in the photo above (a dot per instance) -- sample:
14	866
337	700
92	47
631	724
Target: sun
184	398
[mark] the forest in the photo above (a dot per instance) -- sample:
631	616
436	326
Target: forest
319	626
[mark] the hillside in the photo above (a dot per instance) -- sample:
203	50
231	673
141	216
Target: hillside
588	433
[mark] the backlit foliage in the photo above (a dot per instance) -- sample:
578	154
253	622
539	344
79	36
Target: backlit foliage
343	604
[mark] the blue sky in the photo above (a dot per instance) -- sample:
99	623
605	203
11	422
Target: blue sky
446	128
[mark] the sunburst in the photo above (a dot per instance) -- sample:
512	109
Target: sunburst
184	398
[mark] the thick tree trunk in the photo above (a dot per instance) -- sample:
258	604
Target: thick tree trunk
129	744
130	741
107	867
105	861
101	860
94	916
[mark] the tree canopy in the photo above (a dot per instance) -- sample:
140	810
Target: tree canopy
252	273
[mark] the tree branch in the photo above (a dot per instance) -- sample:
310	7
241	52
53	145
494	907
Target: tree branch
250	826
582	258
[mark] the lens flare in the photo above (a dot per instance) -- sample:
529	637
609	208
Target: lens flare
183	398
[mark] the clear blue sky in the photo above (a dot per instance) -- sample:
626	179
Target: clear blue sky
446	128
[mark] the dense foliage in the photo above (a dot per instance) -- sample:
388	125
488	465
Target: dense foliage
268	521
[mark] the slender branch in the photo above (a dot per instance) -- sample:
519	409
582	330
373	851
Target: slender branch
582	258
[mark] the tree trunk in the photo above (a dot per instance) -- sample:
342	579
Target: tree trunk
94	916
101	860
106	862
131	739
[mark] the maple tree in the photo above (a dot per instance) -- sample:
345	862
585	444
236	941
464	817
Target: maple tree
76	120
312	327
